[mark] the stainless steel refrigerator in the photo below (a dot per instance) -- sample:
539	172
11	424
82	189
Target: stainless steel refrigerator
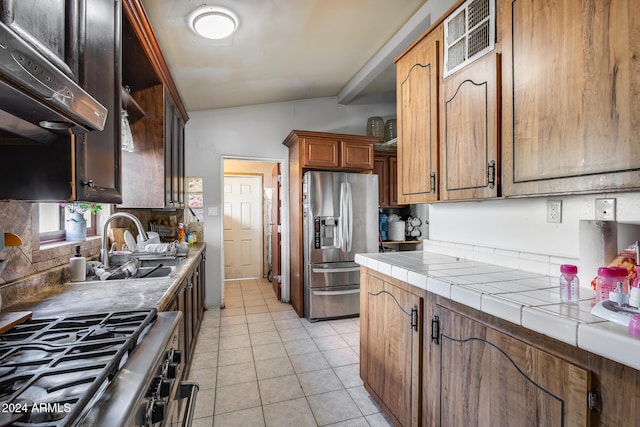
340	219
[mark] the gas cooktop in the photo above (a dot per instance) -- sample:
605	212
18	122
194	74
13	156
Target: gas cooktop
51	370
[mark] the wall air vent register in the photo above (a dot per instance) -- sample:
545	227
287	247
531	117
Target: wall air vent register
469	33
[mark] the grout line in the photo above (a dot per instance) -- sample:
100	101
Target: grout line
253	291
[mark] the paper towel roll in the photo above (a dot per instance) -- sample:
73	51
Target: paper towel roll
395	231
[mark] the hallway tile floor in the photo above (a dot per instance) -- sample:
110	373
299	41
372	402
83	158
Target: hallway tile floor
259	364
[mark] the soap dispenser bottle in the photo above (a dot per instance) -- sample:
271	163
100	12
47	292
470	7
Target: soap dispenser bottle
78	266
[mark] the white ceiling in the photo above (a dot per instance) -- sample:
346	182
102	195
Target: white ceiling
287	49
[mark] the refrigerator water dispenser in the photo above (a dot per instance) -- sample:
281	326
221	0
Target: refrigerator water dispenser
326	232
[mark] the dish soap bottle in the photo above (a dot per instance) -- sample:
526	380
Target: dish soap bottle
78	266
181	233
569	284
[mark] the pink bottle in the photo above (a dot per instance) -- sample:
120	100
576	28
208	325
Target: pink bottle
608	278
569	284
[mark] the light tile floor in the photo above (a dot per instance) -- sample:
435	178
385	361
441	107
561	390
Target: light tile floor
259	364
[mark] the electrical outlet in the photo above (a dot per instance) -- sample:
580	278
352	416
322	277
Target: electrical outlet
554	211
605	209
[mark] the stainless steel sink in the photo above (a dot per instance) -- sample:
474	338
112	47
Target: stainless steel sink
149	268
165	261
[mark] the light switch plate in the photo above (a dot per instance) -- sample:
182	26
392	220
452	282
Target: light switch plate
212	211
605	209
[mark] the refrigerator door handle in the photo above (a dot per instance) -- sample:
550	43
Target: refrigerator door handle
343	216
346	217
335	270
351	291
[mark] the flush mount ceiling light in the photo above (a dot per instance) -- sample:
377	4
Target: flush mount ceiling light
213	22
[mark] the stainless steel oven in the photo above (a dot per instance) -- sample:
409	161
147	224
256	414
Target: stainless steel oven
106	369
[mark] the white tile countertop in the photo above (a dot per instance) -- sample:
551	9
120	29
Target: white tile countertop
527	299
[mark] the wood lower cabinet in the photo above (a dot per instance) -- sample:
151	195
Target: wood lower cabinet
470	129
476	369
485	377
418	78
391	335
189	299
317	151
571	84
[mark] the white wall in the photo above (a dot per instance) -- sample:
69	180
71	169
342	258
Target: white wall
520	224
517	228
257	132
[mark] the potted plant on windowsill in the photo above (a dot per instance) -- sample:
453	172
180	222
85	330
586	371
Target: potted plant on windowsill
76	223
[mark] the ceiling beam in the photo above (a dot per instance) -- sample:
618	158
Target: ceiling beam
409	32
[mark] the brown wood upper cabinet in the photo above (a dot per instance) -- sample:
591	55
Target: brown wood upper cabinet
153	174
448	132
317	151
334	151
385	165
470	129
419	73
85	43
571	90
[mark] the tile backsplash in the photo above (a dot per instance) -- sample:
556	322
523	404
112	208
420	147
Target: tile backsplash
527	261
30	259
21	218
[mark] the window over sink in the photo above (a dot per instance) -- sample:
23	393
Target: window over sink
51	222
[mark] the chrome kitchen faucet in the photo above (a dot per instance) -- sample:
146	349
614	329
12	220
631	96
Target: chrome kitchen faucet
104	252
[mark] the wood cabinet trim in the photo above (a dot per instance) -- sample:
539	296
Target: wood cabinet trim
291	139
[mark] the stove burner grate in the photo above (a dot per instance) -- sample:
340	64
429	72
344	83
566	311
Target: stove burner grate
65	363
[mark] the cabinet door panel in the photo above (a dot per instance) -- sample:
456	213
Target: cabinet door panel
489	376
571	96
52	27
321	153
392	346
418	79
393	181
470	128
381	168
98	162
355	155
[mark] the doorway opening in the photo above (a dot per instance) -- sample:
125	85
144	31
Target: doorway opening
252	221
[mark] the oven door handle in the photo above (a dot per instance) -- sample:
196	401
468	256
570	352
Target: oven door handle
188	390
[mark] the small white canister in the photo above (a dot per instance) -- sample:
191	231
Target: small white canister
395	231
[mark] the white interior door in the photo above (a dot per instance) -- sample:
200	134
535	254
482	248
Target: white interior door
242	226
